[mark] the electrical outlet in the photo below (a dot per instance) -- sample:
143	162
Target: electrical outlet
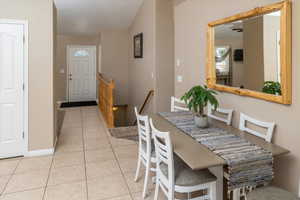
179	79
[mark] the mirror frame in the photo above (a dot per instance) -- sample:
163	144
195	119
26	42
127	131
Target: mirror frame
285	53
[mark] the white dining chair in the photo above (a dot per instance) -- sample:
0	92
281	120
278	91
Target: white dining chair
268	125
178	177
146	155
228	112
178	105
241	193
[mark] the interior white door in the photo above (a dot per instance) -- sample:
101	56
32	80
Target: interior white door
12	142
82	73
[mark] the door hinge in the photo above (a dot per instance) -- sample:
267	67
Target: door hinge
23	134
23	87
24	39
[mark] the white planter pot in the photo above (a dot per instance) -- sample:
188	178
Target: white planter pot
201	122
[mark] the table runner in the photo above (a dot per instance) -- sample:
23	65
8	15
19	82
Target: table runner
248	164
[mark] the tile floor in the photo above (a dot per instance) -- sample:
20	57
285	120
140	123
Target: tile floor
88	165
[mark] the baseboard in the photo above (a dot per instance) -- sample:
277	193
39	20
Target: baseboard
42	152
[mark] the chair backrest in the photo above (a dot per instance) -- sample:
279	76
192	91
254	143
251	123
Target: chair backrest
164	158
228	112
178	105
144	134
268	125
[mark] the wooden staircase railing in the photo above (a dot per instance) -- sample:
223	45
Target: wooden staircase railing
150	93
106	99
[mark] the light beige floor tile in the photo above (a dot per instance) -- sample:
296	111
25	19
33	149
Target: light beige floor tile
128	164
8	166
102	169
99	155
93	144
71	132
139	185
66	175
70	140
27	181
26	195
129	151
72	191
71	125
68	159
32	164
61	149
127	197
3	182
92	129
150	196
116	142
107	187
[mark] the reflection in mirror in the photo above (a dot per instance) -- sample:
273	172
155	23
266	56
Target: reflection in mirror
247	53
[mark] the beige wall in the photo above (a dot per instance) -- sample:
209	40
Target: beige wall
156	69
114	61
141	71
39	14
191	19
164	54
62	42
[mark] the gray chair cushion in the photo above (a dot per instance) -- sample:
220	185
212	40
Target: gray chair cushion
270	193
185	176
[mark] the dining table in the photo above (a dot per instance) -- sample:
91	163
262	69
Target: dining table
197	156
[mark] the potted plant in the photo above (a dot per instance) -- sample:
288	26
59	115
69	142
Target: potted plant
196	100
272	87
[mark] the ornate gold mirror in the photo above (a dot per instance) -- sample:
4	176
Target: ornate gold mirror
249	54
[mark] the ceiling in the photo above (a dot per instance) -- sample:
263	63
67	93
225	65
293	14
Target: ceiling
89	17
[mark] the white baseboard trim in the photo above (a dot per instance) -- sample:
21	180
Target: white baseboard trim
42	152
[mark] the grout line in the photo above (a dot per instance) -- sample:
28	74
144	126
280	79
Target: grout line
10	177
113	150
84	158
50	169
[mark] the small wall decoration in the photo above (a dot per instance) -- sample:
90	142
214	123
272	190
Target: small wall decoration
138	45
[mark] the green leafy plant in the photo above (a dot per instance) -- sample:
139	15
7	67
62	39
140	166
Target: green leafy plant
198	98
272	87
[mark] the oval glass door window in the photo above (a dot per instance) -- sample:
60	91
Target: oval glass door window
81	53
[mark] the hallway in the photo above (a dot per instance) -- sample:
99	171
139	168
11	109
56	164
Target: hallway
88	164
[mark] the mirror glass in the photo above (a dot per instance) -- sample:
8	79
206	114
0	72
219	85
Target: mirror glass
247	53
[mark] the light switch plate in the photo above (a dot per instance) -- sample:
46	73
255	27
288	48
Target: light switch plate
178	63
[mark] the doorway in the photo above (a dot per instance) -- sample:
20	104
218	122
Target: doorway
13	88
81	73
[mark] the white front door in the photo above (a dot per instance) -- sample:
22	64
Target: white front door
81	73
12	142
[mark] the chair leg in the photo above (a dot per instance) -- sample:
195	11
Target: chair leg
146	179
236	194
156	190
138	169
213	191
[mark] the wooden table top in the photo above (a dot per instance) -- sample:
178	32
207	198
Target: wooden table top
196	155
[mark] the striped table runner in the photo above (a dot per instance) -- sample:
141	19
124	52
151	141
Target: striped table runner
248	164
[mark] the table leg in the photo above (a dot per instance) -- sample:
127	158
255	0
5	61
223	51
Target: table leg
218	172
